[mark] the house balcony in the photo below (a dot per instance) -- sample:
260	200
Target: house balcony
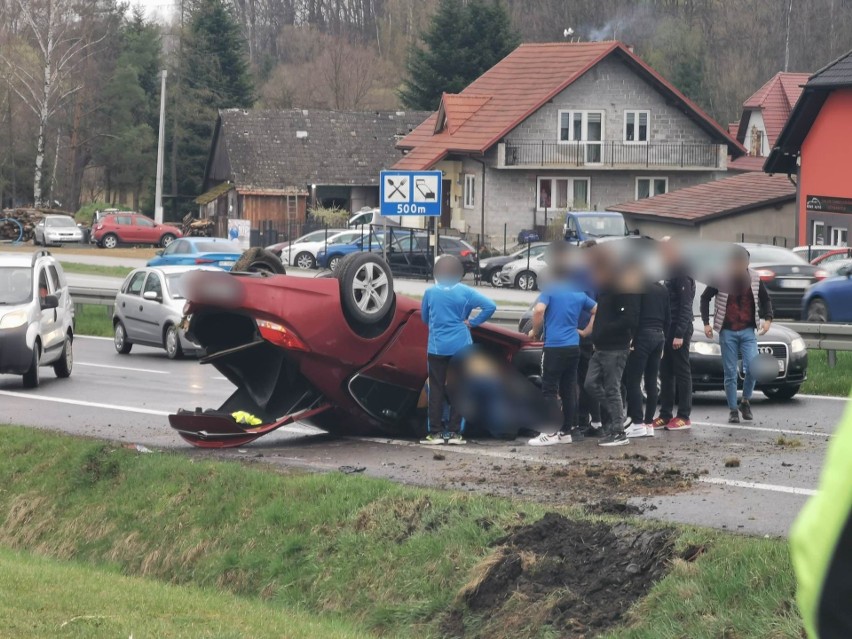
612	155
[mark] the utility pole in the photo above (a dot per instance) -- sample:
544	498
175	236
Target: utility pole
161	151
787	43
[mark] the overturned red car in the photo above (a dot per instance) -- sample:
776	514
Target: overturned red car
343	353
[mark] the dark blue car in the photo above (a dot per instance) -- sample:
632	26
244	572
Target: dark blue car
330	256
831	299
204	251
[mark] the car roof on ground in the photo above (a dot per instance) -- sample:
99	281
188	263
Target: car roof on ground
172	270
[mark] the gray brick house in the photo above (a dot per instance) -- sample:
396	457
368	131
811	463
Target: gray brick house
558	127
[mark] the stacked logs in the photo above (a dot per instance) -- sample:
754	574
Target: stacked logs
28	218
193	227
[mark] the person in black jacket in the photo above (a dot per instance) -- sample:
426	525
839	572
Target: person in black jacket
615	325
675	369
644	360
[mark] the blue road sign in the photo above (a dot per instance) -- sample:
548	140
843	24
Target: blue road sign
411	193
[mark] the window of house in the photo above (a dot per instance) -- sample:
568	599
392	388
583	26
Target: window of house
563	193
756	145
650	186
636	127
585	128
818	233
469	191
839	236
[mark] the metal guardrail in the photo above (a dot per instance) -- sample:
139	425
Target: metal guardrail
94	296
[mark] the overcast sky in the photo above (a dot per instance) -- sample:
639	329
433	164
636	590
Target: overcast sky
155	8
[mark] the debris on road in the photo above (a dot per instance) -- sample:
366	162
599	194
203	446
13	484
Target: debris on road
732	462
351	470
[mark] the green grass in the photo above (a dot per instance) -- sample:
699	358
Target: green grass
823	380
93	319
42	598
96	269
383	557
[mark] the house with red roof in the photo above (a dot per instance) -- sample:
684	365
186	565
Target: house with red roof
764	115
559	127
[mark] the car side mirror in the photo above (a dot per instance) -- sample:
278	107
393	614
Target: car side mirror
153	296
160	252
49	301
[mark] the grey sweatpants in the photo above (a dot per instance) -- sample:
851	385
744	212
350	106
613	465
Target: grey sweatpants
603	383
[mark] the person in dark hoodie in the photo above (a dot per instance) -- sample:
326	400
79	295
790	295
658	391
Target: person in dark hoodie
741	300
615	325
675	370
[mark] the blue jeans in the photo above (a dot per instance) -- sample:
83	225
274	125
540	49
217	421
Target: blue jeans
736	344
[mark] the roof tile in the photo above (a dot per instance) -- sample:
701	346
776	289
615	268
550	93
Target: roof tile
776	100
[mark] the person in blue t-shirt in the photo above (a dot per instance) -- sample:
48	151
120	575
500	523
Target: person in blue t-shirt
445	310
566	314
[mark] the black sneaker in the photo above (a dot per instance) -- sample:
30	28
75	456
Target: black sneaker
734	417
577	435
619	439
745	409
627	423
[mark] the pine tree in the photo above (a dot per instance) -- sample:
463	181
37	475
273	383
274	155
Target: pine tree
462	42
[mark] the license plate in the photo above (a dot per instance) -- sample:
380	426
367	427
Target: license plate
793	283
226	263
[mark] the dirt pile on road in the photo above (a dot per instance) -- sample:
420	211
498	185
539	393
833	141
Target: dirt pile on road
578	577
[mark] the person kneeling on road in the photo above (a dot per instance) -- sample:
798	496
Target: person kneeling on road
558	311
445	310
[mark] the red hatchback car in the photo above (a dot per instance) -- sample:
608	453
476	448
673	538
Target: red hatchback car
343	353
132	228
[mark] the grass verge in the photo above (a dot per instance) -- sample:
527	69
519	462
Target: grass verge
42	598
384	557
823	380
96	269
93	319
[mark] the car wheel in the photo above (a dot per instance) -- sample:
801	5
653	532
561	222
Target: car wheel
817	310
494	279
171	342
366	290
334	263
167	239
781	393
31	377
109	241
258	260
63	367
122	344
526	326
526	281
305	260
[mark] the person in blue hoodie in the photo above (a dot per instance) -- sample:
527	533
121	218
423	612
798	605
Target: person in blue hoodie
445	310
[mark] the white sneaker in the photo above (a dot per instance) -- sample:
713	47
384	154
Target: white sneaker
597	425
649	430
635	430
550	440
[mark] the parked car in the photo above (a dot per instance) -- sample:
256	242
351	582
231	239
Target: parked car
280	249
490	267
36	317
56	229
812	252
785	275
330	256
304	254
520	274
367	216
705	356
148	310
199	251
132	228
592	225
831	299
360	370
835	255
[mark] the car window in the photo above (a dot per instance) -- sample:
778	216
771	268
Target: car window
135	283
173	283
153	284
53	276
316	236
59	274
346	238
43	286
143	221
61	222
182	247
122	220
216	247
16	285
773	254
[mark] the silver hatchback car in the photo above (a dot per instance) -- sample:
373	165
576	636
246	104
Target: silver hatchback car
149	309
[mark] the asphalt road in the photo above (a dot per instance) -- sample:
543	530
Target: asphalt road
675	476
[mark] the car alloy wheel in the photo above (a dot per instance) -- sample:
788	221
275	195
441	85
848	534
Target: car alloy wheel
333	264
496	281
371	288
65	365
817	311
173	348
122	346
526	281
167	239
305	260
110	241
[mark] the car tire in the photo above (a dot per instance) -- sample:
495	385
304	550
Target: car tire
494	279
305	260
781	393
171	342
366	290
259	260
109	241
818	310
526	281
167	239
65	364
120	341
526	327
334	263
31	377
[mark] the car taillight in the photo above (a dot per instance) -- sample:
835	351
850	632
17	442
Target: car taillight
465	253
201	260
99	227
765	274
280	336
821	274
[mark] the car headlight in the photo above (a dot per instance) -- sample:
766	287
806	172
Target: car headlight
705	348
798	345
13	319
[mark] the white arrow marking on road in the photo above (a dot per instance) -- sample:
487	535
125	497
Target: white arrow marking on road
123	368
80	402
756	486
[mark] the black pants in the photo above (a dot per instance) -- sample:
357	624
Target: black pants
442	389
604	384
643	362
588	408
676	377
559	380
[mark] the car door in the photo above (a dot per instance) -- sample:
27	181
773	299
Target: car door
179	253
50	330
153	313
145	230
123	227
130	307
